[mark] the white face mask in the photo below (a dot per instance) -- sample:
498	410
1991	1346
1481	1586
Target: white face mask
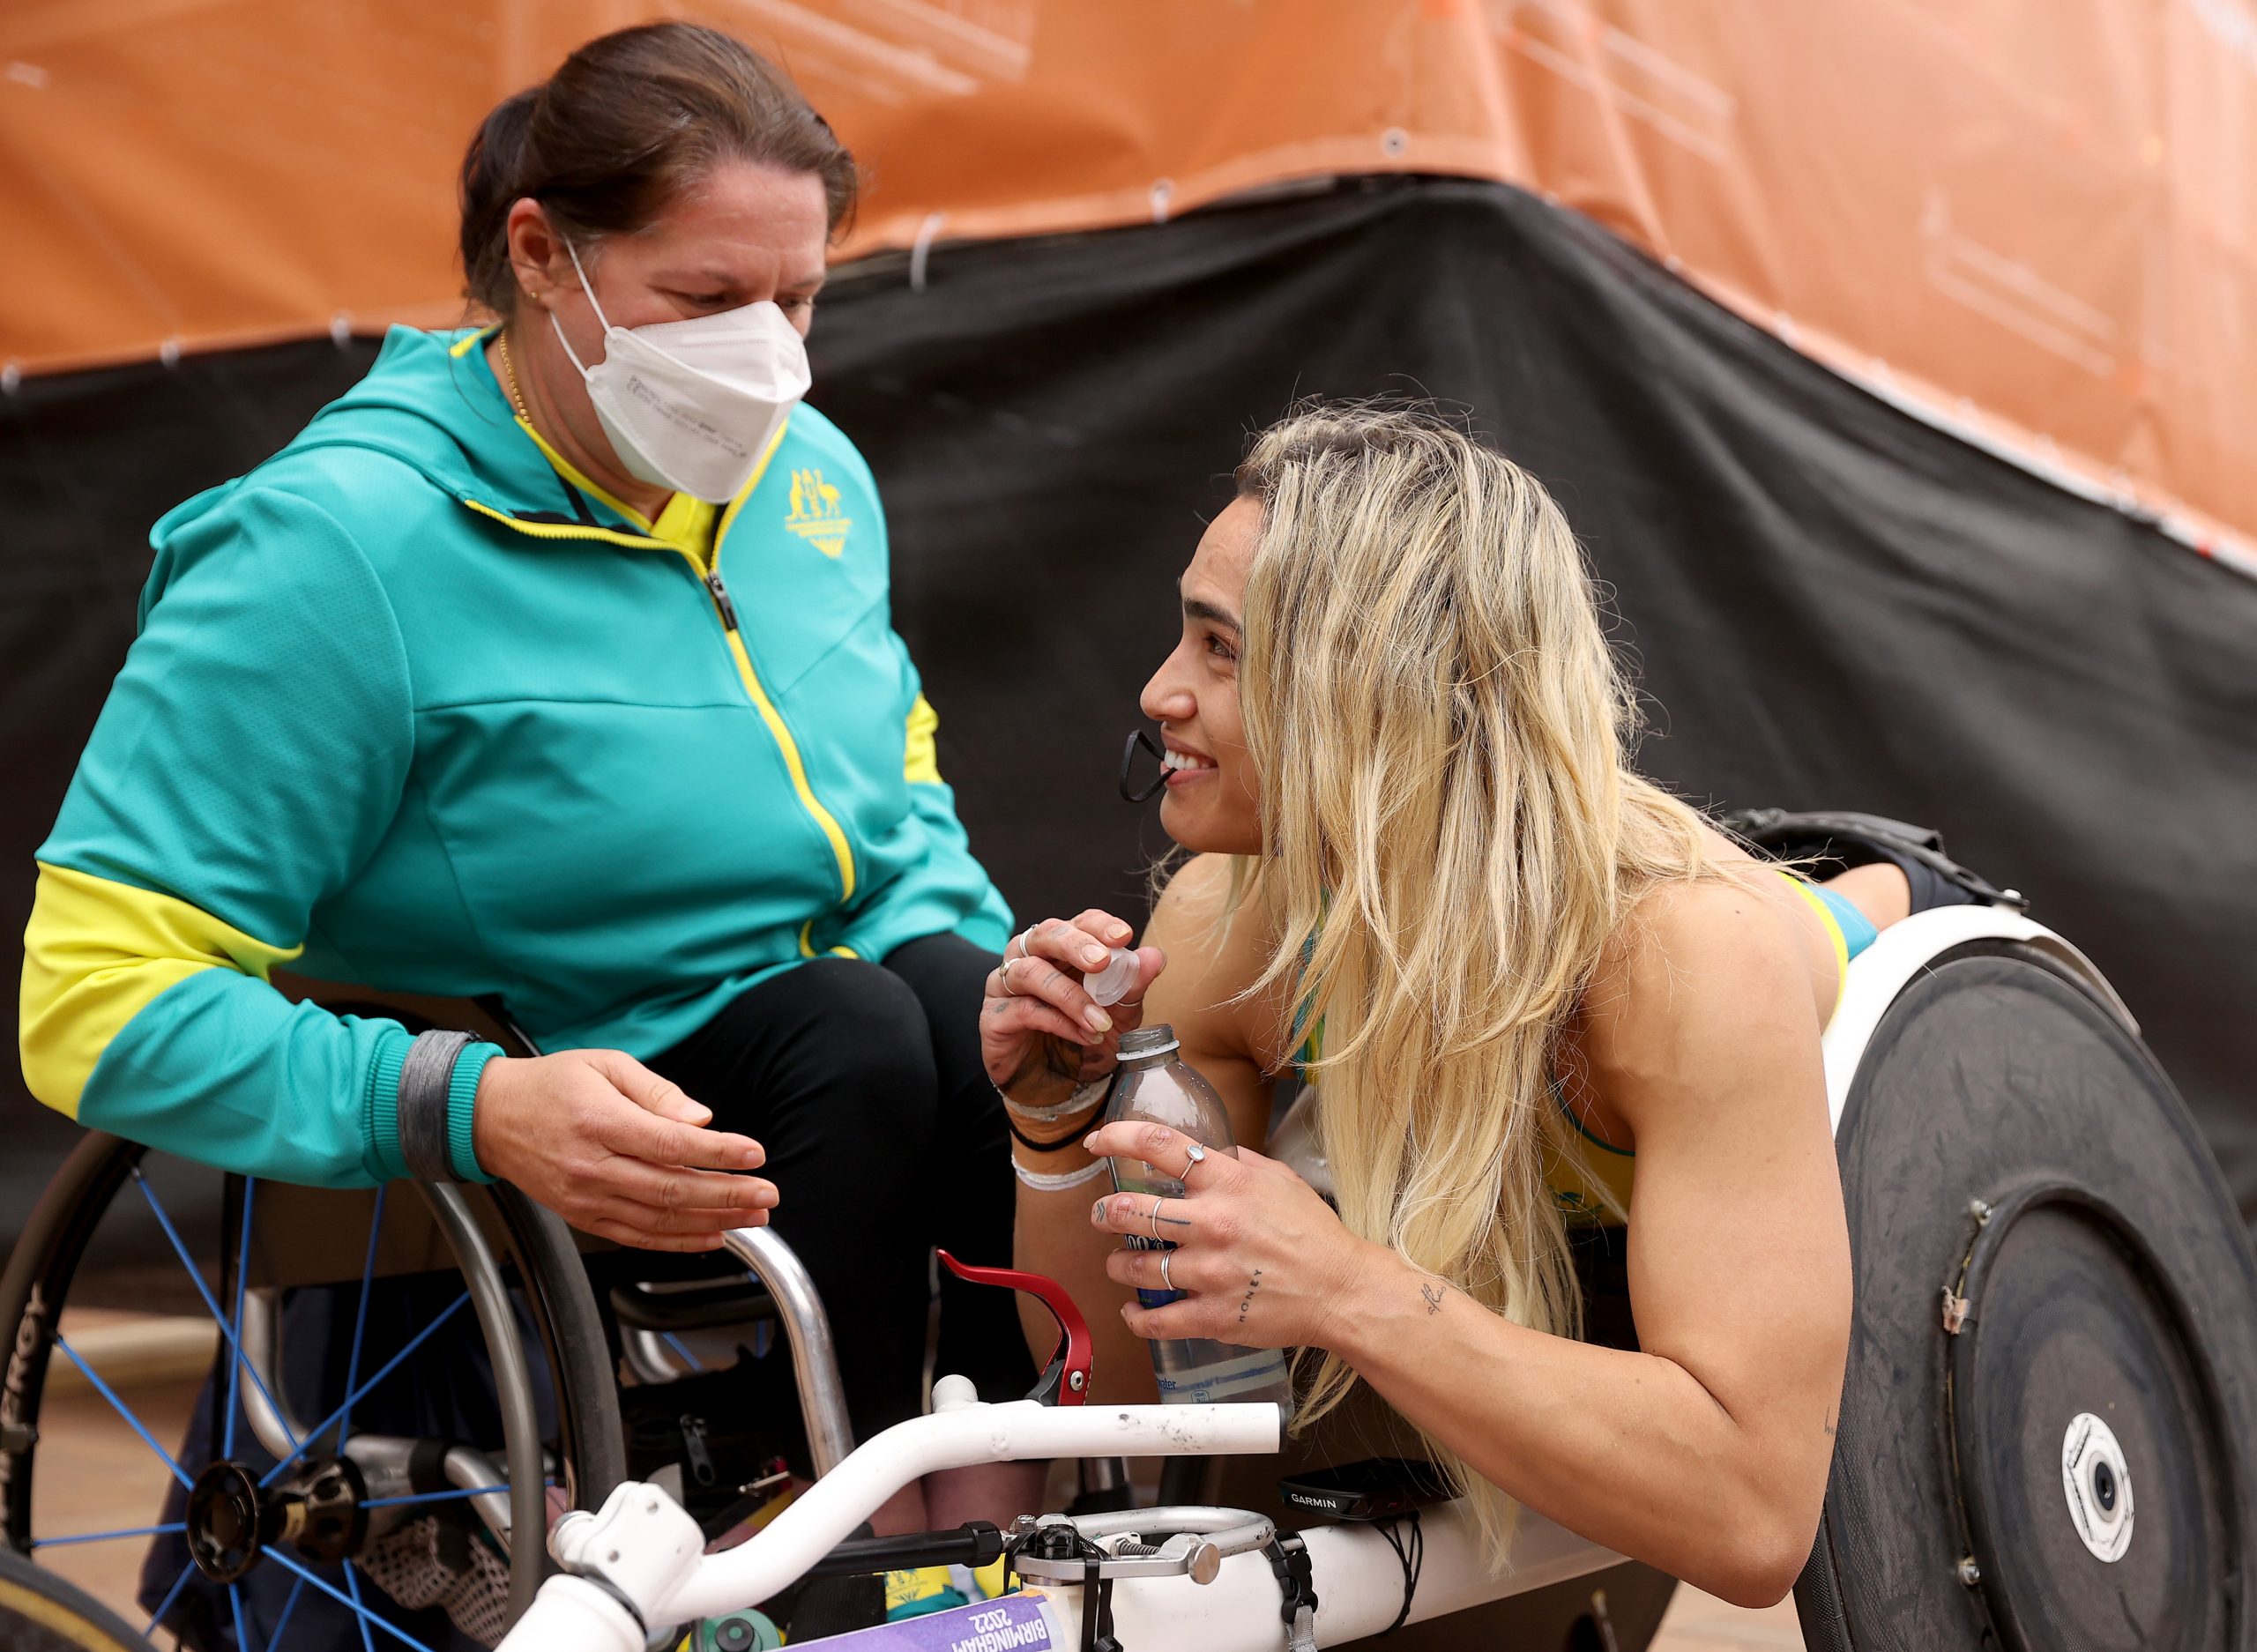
692	405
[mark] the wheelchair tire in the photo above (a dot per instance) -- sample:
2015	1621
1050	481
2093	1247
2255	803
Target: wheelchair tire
2051	1397
41	1612
553	1297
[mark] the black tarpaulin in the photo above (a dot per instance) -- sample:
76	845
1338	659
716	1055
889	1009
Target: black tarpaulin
1827	603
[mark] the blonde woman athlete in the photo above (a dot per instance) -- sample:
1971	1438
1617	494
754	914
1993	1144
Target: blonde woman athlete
1538	994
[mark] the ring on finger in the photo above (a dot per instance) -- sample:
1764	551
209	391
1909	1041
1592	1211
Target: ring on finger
1004	976
1026	938
1166	1258
1193	1155
1156	1203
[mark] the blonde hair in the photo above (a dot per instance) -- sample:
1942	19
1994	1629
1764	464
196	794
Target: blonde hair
1450	833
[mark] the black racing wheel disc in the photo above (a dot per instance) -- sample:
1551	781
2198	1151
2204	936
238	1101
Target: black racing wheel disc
2044	1434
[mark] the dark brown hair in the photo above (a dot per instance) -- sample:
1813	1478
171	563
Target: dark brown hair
606	143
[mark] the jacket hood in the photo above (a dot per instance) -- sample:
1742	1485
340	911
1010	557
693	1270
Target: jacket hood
432	402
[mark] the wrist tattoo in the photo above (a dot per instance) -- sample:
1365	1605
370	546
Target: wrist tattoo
1433	1295
1245	1302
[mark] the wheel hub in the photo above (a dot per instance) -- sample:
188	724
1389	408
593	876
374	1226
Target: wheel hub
225	1513
232	1519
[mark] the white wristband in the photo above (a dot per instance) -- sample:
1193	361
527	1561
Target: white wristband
1084	1096
1043	1181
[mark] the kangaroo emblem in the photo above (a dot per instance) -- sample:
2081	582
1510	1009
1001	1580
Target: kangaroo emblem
816	515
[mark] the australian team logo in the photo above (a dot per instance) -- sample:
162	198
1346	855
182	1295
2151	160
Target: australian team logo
816	516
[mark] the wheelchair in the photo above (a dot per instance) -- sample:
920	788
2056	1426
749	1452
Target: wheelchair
428	1516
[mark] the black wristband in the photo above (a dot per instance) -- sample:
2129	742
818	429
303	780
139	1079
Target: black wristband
1072	1138
424	1078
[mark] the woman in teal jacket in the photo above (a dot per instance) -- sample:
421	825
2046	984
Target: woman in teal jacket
554	661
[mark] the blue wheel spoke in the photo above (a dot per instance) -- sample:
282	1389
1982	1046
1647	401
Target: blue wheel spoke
171	1595
235	1605
204	1291
342	1599
675	1343
361	1317
432	1497
108	1536
322	1427
283	1622
234	1367
353	1586
122	1409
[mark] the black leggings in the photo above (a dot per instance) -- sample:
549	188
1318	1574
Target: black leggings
885	1138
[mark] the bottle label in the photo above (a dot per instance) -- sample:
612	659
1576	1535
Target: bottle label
1154	1298
1255	1368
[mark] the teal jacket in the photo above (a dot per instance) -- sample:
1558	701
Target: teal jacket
414	706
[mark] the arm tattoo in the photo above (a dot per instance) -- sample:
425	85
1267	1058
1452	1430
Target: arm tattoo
1433	1295
1245	1302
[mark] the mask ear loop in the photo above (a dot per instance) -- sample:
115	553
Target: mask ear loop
1128	761
588	287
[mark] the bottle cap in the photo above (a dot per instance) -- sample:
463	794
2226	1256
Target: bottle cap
1112	984
1147	1041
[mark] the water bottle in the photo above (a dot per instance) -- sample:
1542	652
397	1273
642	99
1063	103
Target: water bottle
1157	1085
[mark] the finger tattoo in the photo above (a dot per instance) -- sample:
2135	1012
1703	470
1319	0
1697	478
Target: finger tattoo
1245	1302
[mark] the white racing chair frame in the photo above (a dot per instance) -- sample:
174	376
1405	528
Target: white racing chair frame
637	1566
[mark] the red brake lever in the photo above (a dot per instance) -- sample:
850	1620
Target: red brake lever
1065	1379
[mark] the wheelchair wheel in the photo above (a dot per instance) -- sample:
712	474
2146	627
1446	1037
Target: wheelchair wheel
40	1613
2046	1431
455	1362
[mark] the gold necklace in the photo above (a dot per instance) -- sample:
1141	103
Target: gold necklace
511	372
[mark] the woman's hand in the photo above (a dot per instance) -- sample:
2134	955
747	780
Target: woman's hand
1040	1032
616	1150
1263	1260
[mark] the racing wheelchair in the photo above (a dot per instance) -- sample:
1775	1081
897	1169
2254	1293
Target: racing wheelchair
2043	1442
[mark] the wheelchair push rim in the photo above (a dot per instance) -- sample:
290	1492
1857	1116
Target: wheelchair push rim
332	1488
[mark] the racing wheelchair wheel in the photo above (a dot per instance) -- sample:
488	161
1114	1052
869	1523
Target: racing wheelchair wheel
2046	1430
354	1499
41	1612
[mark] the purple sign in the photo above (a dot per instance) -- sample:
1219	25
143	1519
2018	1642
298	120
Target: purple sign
1013	1624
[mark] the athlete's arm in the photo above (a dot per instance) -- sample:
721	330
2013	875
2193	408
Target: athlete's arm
1205	963
1706	1454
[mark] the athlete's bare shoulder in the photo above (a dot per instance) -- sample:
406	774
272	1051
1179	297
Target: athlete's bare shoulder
1691	958
1214	953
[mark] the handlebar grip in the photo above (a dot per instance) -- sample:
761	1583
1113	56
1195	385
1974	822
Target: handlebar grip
571	1614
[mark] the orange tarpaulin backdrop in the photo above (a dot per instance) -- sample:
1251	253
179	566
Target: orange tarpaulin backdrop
2031	222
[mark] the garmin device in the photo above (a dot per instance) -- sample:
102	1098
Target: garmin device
1377	1488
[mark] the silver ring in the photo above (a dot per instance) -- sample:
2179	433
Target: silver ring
1196	1154
1157	1202
1004	974
1026	938
1166	1258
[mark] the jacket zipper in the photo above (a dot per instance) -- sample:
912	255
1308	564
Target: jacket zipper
725	607
721	599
